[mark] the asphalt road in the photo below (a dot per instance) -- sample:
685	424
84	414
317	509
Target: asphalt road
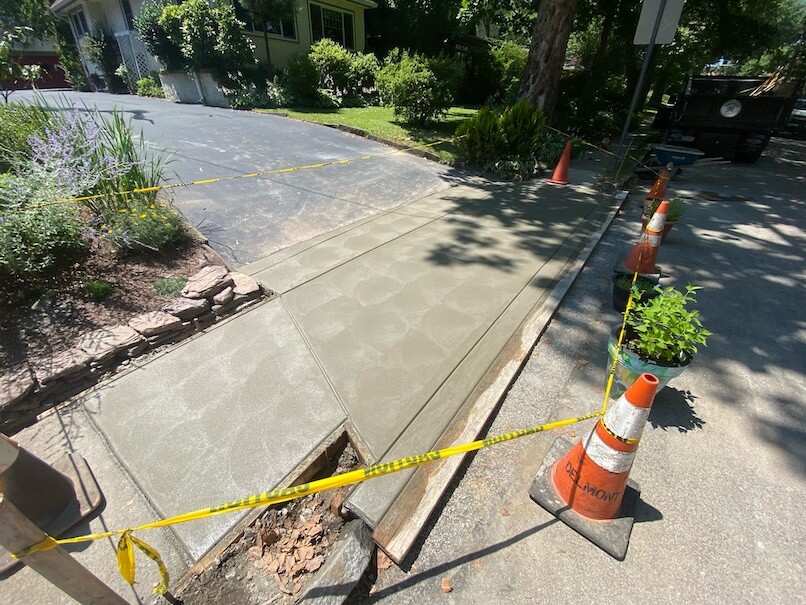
248	219
722	464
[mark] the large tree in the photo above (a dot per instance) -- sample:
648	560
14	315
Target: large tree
541	78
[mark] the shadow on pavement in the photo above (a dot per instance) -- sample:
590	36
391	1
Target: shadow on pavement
673	409
468	558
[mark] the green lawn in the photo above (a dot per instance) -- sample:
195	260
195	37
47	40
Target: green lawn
381	122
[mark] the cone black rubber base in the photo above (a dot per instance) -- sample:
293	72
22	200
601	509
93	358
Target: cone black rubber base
88	499
612	536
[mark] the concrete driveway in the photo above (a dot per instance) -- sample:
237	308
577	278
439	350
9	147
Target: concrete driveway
722	464
249	219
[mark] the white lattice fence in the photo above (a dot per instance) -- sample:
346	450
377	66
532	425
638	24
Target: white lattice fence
134	54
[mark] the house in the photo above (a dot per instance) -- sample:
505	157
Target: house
340	20
37	52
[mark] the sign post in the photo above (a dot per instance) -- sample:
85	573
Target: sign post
657	25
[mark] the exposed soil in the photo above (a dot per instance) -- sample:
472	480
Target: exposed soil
278	555
41	320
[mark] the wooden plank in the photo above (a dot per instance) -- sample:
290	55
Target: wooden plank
405	519
17	532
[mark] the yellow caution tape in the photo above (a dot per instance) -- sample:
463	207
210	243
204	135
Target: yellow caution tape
128	192
126	543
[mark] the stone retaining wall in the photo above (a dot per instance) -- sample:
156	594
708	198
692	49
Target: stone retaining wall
210	295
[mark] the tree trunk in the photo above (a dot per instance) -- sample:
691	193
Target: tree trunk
598	70
541	78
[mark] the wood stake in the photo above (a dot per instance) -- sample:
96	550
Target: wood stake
55	565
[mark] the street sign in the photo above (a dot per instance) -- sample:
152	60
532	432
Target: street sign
668	21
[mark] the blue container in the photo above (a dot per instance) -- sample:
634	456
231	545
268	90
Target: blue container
679	156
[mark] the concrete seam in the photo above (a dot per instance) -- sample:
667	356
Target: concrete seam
333	234
318	363
380	245
583	221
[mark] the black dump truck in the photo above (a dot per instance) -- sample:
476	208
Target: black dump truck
724	116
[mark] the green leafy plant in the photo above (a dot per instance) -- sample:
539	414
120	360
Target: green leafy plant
97	290
18	121
69	62
676	209
103	51
551	148
157	40
522	125
482	138
333	62
208	37
170	286
509	60
142	225
348	76
34	241
419	89
507	144
300	79
150	87
664	330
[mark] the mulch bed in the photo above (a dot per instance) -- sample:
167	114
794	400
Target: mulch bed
45	319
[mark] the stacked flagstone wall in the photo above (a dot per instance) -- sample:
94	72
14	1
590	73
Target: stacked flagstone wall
210	295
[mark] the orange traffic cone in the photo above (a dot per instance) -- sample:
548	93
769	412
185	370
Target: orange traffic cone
560	176
587	485
592	476
658	189
53	497
644	254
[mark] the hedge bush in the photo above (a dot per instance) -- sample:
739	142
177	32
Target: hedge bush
509	143
522	125
157	40
482	138
348	76
419	89
509	60
300	79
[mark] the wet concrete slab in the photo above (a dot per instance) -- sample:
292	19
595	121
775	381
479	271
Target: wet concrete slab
226	415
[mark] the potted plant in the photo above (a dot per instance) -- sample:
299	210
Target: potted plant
198	45
622	283
661	338
673	213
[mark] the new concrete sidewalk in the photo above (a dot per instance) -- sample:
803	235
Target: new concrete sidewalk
387	325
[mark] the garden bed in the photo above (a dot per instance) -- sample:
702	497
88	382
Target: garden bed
57	341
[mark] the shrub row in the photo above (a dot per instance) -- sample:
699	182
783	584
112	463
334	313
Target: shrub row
419	88
517	132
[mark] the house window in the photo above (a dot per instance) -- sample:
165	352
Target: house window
284	28
332	23
79	23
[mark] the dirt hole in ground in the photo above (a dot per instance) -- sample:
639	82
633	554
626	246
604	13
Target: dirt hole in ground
279	554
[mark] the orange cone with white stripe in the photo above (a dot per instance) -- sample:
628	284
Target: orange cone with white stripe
592	477
645	252
658	189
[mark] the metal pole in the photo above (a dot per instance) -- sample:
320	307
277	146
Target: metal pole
641	77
